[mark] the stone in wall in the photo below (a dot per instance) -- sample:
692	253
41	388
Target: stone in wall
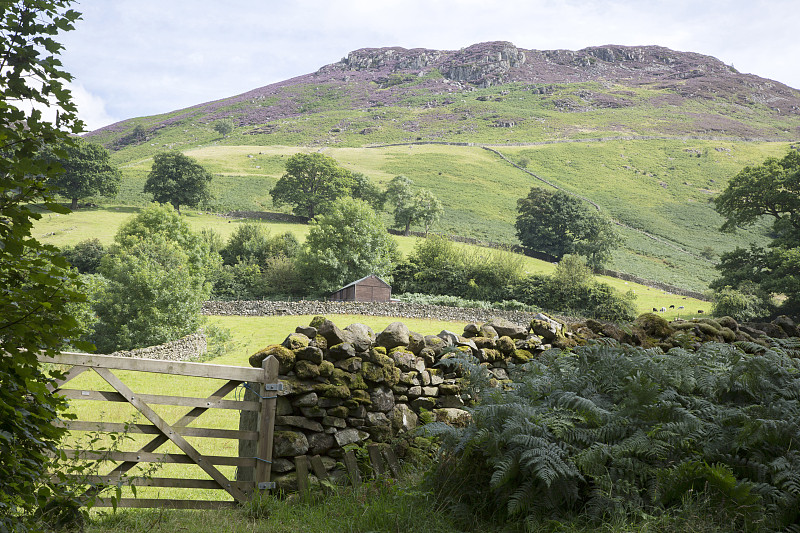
189	347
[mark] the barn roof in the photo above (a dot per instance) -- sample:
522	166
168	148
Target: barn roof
356	282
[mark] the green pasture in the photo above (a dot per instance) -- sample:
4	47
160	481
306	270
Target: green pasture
663	187
250	334
102	223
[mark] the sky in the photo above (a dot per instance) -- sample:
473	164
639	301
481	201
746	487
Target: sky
133	58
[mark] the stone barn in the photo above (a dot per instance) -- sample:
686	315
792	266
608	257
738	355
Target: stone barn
367	289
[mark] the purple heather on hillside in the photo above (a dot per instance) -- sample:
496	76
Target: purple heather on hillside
374	77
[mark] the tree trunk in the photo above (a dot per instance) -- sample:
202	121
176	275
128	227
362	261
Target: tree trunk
74	205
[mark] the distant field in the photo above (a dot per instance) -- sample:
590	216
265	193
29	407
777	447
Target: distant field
102	223
663	187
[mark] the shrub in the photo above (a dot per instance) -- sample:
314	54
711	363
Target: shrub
85	256
153	296
738	304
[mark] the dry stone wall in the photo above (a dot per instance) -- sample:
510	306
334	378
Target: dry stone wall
189	347
347	386
393	309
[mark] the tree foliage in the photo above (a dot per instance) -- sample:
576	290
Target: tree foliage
769	189
438	267
224	127
258	265
156	274
618	430
85	256
411	206
251	241
557	223
152	296
36	286
346	244
178	179
365	189
87	170
311	183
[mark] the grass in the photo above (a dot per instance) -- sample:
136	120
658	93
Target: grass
659	186
102	223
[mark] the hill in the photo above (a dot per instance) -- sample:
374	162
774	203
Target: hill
493	92
646	133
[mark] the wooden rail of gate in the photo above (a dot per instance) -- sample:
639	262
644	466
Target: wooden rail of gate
266	379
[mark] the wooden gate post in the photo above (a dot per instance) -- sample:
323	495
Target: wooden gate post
266	423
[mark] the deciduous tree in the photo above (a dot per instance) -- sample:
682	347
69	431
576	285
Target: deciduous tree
87	170
348	242
178	179
410	206
558	223
224	127
156	274
311	183
769	189
35	282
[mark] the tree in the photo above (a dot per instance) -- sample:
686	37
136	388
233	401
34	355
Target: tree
87	170
85	256
345	244
427	209
36	285
411	207
178	179
311	183
152	296
224	127
161	221
366	190
769	189
557	223
156	274
251	241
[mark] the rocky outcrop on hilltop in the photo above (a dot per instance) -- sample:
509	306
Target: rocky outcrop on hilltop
378	77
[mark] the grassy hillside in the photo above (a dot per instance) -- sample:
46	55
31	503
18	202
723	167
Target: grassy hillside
102	223
324	114
647	133
662	187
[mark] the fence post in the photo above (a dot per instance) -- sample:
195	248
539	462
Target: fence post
266	423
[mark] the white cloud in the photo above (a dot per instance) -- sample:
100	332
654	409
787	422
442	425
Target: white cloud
91	108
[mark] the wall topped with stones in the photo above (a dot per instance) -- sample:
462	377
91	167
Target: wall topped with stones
347	386
393	309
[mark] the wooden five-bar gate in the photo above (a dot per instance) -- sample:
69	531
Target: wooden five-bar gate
264	379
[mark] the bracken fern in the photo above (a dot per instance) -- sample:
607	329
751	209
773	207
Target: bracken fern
609	430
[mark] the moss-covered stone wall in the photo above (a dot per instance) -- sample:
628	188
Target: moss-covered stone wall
352	385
